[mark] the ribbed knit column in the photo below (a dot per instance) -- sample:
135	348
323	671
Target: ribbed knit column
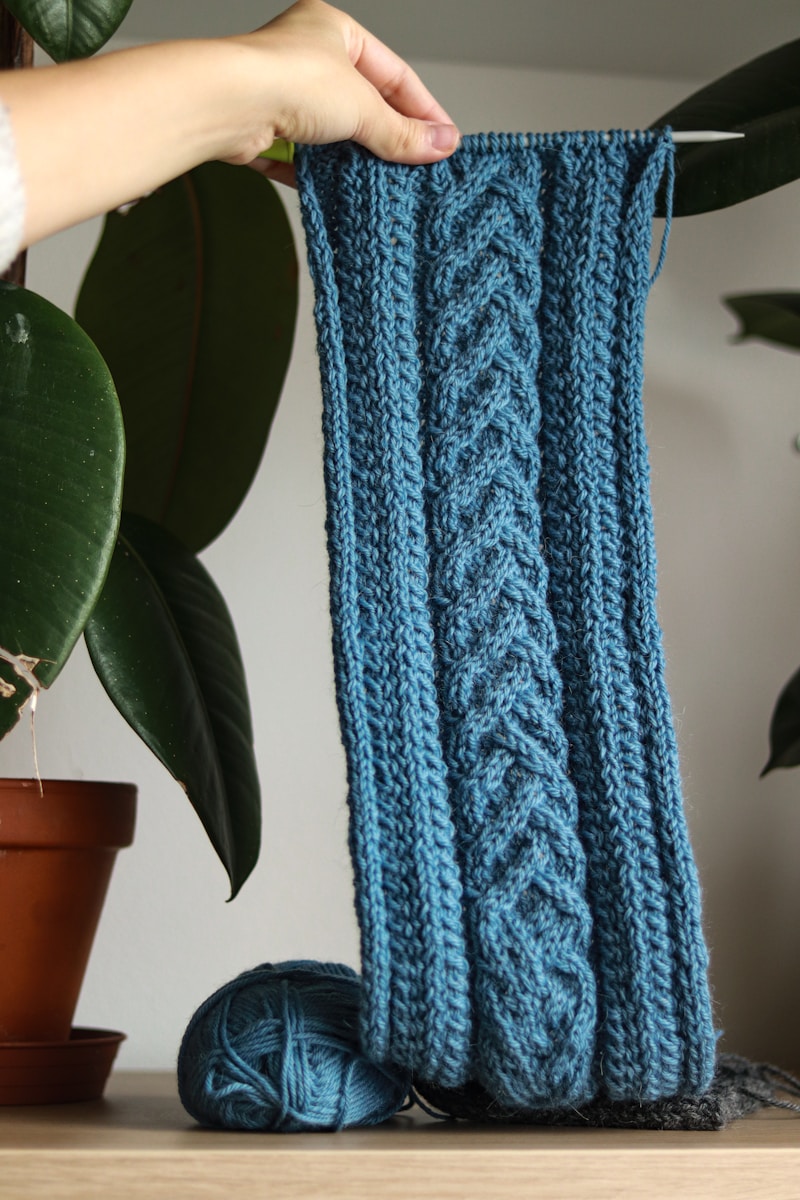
408	886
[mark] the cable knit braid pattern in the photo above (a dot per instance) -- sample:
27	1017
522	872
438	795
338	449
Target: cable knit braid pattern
525	889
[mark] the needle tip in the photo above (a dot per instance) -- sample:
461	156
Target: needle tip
703	135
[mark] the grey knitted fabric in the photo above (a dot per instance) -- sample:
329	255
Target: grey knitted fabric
738	1088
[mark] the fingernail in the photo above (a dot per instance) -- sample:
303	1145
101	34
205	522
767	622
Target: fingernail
442	137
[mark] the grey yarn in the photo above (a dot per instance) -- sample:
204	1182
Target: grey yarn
738	1088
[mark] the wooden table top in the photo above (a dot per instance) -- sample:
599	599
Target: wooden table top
139	1144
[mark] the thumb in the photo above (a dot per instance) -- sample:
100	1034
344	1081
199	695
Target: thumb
398	138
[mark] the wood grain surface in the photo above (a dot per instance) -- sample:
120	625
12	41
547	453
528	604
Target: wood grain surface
138	1144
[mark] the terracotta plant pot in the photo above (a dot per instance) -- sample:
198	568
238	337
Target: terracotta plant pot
56	856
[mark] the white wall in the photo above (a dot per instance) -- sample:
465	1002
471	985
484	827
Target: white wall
727	493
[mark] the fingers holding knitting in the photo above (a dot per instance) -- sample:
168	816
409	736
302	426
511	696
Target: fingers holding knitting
328	79
416	124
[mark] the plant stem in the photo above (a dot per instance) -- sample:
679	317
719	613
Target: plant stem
16	51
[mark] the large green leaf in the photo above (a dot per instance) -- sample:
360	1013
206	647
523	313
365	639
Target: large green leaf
784	730
69	28
163	644
770	316
760	99
61	462
192	297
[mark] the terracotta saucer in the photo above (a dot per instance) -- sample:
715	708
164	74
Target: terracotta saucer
58	1072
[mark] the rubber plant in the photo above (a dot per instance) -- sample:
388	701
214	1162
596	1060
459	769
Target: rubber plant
762	100
183	331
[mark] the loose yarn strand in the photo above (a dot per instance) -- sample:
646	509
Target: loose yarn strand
669	197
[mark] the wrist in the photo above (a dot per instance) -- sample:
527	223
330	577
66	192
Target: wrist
217	80
253	105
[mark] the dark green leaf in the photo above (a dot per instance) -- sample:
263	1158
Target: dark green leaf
760	99
192	298
61	462
771	316
163	644
69	28
784	730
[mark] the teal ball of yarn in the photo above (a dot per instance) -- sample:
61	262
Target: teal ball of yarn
278	1049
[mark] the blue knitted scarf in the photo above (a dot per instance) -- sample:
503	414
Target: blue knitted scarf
526	894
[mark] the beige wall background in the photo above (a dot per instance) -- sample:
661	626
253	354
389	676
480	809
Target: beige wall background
726	487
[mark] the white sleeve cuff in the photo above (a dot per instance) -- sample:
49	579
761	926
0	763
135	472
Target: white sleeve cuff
12	194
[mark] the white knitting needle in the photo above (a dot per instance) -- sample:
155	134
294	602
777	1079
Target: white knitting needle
703	135
283	151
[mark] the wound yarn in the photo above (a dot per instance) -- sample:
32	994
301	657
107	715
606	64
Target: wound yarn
525	889
277	1049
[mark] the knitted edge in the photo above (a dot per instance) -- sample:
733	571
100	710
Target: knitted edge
416	974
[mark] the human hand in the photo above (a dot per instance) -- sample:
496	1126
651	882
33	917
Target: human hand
93	134
323	78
